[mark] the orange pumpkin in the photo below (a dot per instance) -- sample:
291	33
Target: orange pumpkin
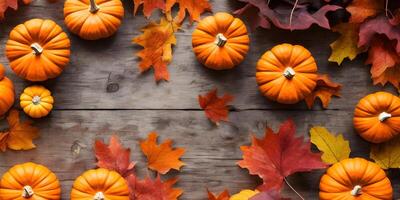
355	178
100	184
6	91
36	101
377	117
286	73
93	19
220	41
29	181
38	50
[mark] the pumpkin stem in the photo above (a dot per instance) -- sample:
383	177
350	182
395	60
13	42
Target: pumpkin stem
36	100
93	6
289	73
99	196
220	40
356	190
384	116
27	192
37	49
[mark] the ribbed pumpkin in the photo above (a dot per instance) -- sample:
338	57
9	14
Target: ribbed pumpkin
220	41
286	73
93	19
377	117
38	50
6	91
355	178
36	101
100	184
29	181
244	195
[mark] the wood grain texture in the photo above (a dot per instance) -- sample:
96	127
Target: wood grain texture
102	92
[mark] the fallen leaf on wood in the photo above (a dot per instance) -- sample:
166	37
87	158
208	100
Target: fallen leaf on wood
279	155
222	196
346	46
161	158
149	6
20	135
360	10
268	195
215	107
4	4
334	148
114	156
324	90
157	40
387	155
194	7
149	189
391	75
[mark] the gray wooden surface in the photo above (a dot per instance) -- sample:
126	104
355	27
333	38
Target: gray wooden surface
85	110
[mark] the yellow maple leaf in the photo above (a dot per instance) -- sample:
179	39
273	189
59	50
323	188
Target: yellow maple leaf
20	135
334	148
346	46
157	40
387	155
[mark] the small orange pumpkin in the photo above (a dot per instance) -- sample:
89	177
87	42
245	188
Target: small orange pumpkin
36	101
93	19
286	73
38	50
29	181
377	117
100	184
220	41
6	91
355	178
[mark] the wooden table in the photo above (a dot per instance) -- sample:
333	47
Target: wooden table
86	110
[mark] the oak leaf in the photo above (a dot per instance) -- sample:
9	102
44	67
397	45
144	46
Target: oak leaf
324	90
20	135
360	10
346	45
157	40
114	156
161	158
334	148
279	155
387	155
194	7
215	107
149	189
148	6
222	196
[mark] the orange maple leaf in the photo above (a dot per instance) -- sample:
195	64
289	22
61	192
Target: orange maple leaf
157	40
360	10
324	90
149	189
391	75
216	108
20	135
222	196
148	6
161	158
194	7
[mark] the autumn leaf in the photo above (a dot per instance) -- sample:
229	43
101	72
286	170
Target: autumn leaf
346	46
157	40
149	6
268	195
194	7
391	75
149	189
324	90
215	107
334	148
4	4
222	196
20	135
114	156
387	155
279	155
360	10
161	158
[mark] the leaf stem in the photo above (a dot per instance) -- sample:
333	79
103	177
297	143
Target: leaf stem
292	188
291	14
386	8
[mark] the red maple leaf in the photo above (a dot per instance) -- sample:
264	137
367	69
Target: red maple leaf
215	107
149	189
222	196
279	155
114	157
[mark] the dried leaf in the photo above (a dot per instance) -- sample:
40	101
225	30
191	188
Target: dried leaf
149	6
215	107
324	90
346	45
334	148
387	155
149	189
157	40
360	10
114	156
20	135
161	158
279	155
222	196
194	7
